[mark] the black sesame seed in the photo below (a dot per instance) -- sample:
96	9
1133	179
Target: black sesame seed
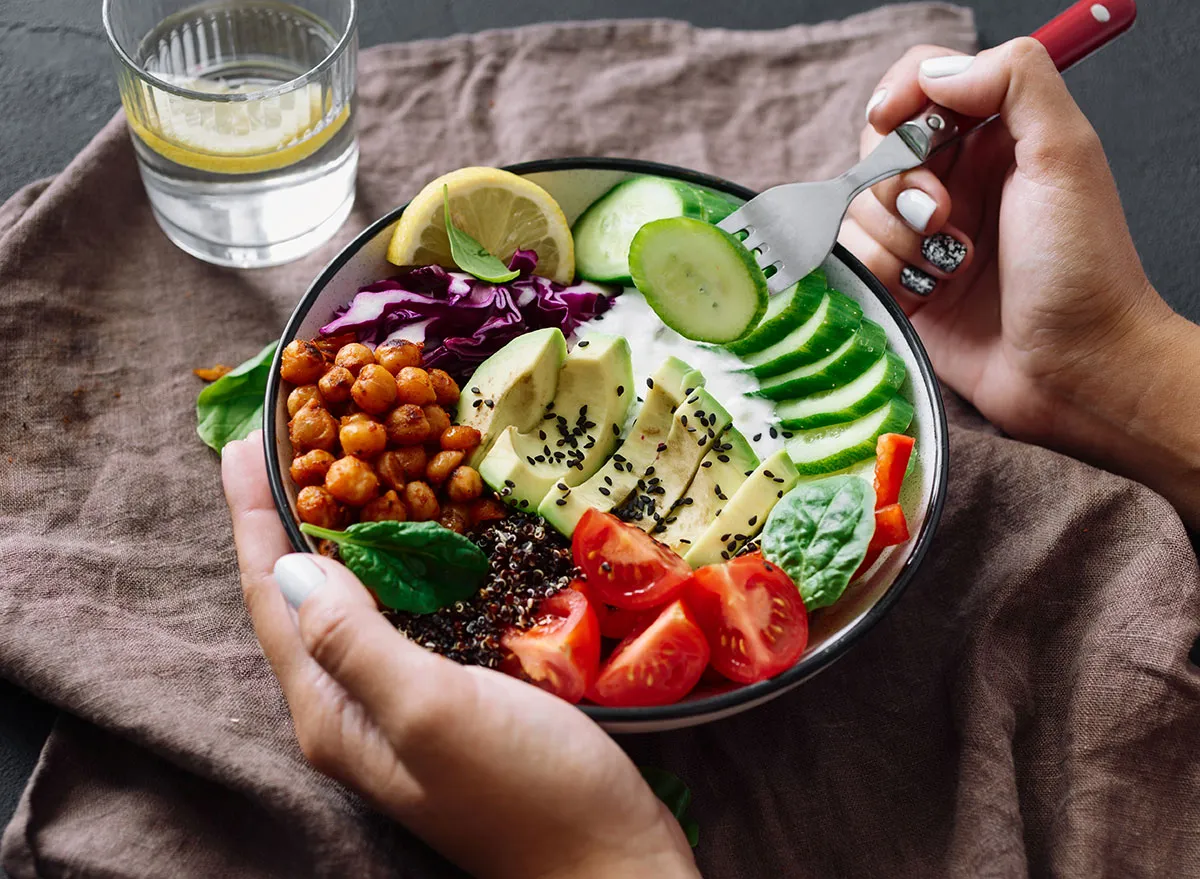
752	520
650	383
562	502
491	404
724	459
616	429
475	390
774	433
768	474
475	404
620	390
584	343
662	447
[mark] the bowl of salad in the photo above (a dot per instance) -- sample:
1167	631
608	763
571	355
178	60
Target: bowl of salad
551	417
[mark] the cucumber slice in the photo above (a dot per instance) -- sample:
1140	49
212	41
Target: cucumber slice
827	449
836	319
605	230
842	366
785	312
864	394
698	278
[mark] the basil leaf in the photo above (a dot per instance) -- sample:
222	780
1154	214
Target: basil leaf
677	796
232	406
471	256
819	534
418	567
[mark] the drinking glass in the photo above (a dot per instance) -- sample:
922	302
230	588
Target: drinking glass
242	117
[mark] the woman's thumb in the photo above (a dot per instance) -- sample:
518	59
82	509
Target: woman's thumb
1017	81
343	630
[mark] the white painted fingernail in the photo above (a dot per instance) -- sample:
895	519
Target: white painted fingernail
916	207
947	65
298	577
876	99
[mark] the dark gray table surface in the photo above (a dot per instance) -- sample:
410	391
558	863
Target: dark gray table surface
1142	94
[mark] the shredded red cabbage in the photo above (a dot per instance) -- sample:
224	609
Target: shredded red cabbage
468	319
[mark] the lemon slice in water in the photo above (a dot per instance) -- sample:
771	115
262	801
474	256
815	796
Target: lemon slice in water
240	137
502	211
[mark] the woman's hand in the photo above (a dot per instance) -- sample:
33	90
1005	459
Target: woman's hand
1012	257
501	777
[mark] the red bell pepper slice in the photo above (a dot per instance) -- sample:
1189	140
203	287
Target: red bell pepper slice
891	529
892	452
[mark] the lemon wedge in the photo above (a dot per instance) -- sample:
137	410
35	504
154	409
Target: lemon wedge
244	137
502	211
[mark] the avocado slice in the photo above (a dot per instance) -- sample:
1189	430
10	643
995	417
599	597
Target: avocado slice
697	424
722	470
512	387
743	516
577	432
564	505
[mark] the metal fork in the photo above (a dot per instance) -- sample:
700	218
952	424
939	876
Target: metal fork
792	228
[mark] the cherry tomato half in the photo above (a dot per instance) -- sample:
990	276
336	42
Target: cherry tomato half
615	623
752	615
561	652
625	566
657	664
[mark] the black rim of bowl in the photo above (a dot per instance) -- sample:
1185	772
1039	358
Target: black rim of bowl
810	664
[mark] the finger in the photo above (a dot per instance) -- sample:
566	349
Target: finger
260	540
1018	81
899	96
940	254
892	272
402	686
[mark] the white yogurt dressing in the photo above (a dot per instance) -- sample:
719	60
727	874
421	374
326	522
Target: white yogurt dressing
652	341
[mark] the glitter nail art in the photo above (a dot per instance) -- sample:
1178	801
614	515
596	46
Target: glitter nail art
944	251
916	281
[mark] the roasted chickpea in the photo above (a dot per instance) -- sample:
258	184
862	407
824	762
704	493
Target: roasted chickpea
374	390
394	356
460	437
407	425
455	517
312	428
444	387
363	438
352	481
318	507
301	395
398	466
413	386
438	420
354	356
487	510
422	503
301	363
441	465
464	484
311	467
390	467
335	385
387	506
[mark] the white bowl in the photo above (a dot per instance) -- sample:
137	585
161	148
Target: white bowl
576	183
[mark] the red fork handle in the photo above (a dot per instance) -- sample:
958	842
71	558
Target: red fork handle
1079	31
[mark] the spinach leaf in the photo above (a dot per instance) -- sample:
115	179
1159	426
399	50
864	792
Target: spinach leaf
471	256
677	796
819	534
419	567
232	406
